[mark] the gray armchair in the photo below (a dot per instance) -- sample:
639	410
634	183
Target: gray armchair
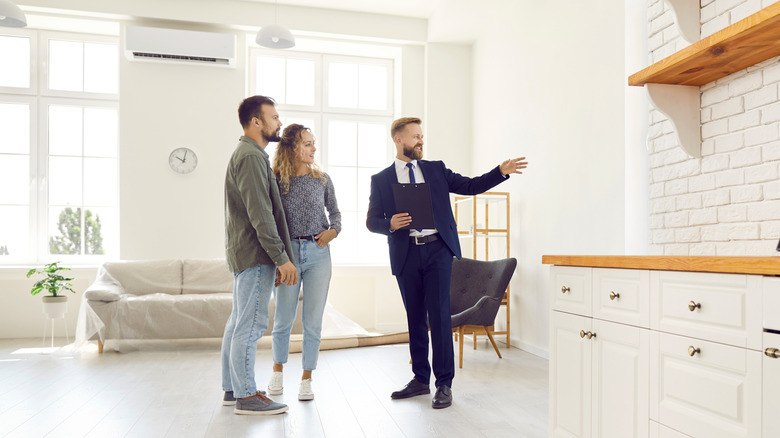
476	290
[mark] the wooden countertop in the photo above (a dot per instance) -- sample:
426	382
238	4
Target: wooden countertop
731	265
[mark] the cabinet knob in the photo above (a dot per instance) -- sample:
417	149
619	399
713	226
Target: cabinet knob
772	352
589	335
613	295
693	350
693	306
565	289
582	333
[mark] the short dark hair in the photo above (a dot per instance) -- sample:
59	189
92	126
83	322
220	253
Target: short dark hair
400	124
252	107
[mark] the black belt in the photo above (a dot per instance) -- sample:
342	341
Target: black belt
304	238
422	240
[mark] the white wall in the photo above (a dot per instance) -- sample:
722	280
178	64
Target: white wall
728	201
549	85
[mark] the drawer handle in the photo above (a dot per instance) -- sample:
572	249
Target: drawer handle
772	352
693	306
565	289
583	334
613	295
693	350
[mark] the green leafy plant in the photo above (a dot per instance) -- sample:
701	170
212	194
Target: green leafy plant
53	282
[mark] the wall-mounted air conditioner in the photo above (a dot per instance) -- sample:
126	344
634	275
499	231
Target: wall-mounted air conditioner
173	45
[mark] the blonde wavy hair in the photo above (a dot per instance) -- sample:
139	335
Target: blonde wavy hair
286	153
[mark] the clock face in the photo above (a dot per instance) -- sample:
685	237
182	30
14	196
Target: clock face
183	160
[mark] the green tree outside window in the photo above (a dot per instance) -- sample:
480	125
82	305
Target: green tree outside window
69	239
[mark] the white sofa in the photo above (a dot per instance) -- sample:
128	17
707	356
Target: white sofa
160	299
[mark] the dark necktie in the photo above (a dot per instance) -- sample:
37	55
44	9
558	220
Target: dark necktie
412	180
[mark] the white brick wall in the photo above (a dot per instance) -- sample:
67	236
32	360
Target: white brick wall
728	201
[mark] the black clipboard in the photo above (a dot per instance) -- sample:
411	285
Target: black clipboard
415	199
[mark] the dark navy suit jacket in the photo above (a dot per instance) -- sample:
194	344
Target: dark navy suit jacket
442	181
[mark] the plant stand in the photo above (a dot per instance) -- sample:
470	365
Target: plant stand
55	308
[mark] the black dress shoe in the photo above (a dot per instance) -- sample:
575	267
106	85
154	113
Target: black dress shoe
443	397
415	387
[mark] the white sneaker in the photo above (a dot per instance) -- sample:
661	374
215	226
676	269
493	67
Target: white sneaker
276	385
305	392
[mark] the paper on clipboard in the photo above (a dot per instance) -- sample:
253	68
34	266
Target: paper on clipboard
415	199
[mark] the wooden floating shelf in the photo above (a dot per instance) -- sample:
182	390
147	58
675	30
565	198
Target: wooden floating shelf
741	45
735	265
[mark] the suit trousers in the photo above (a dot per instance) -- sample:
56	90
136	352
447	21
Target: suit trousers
425	288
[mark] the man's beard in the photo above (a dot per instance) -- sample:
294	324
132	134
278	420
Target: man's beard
272	137
413	153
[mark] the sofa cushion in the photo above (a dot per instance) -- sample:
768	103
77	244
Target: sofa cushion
206	276
143	277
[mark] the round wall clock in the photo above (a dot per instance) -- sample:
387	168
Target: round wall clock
183	160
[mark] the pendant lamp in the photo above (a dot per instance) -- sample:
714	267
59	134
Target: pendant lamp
11	15
274	36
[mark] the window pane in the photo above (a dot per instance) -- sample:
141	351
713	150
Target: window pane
342	143
101	68
65	130
270	78
14	128
100	181
14	231
373	87
372	141
66	65
65	181
300	82
342	85
64	230
344	181
364	185
15	179
345	248
101	132
15	53
100	231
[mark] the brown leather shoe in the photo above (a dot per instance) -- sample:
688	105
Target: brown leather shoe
443	397
413	388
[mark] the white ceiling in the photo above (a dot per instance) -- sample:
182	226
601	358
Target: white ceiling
405	8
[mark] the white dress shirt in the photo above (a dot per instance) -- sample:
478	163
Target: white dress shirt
402	172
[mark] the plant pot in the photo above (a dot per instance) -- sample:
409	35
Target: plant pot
55	307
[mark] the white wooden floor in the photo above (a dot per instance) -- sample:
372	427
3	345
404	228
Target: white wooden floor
162	389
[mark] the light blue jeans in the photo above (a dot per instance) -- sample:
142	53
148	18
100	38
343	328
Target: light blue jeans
245	326
314	271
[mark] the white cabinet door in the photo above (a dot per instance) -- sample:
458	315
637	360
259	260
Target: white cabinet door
572	290
708	390
771	385
621	356
622	295
570	376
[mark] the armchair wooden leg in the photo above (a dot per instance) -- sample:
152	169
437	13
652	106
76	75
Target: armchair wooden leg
100	346
460	347
492	341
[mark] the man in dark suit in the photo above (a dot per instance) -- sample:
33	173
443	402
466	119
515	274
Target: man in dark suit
421	259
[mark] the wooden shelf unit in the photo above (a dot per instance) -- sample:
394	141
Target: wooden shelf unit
745	43
485	232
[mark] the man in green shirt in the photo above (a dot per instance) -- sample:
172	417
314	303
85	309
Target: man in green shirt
258	252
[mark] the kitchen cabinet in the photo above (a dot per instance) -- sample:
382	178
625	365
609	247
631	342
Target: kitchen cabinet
664	347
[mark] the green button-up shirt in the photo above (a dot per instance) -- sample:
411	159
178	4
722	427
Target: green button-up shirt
255	226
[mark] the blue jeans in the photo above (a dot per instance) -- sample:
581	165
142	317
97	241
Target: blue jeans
245	326
314	271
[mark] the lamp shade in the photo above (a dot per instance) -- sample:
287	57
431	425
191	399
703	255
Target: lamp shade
274	36
11	15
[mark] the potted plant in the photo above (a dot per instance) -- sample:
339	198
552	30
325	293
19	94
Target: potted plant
55	284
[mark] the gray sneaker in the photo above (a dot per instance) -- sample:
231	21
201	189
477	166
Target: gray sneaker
258	404
229	400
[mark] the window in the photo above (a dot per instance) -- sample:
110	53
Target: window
347	102
58	147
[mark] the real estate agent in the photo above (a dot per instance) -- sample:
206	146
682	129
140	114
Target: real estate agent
421	260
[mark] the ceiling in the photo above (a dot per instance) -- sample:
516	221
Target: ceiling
404	8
